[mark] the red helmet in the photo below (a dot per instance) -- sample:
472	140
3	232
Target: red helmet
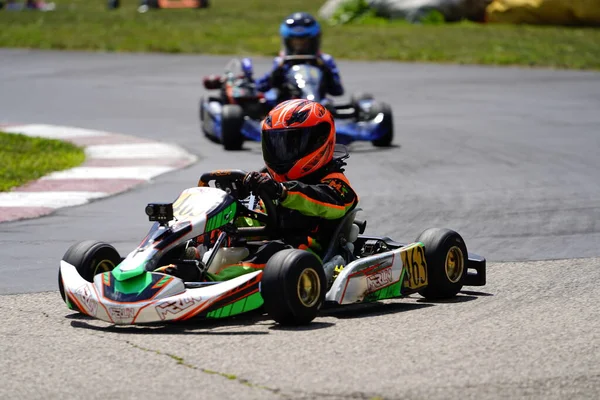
298	137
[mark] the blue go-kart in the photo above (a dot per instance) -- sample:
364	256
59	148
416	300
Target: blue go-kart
234	114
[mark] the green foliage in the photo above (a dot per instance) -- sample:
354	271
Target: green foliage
351	10
251	27
433	17
28	158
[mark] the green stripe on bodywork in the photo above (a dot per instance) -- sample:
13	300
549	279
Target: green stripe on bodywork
222	218
134	285
69	305
249	303
296	201
387	292
163	281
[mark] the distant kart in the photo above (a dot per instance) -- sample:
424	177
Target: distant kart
235	113
293	286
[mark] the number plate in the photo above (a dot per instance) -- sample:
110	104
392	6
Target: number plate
413	260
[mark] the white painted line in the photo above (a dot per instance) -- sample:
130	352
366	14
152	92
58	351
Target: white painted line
53	131
141	172
47	199
137	150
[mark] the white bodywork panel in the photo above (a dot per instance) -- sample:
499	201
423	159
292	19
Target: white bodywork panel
172	302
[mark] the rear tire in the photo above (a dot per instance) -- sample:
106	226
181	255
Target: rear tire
446	256
387	123
89	257
293	287
203	117
356	97
232	119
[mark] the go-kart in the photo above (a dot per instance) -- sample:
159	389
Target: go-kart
293	286
235	114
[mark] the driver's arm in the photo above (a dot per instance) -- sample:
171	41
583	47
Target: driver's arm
330	199
334	84
263	83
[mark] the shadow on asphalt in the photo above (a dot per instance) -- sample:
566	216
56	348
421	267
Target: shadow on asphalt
474	293
370	309
259	319
462	297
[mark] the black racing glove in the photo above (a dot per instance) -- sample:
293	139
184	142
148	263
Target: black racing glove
277	77
328	76
258	182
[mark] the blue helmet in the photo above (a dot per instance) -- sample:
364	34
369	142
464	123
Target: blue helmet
301	34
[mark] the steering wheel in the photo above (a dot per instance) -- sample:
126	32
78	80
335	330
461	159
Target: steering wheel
301	59
231	181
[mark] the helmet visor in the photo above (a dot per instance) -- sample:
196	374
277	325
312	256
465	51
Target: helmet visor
299	45
283	147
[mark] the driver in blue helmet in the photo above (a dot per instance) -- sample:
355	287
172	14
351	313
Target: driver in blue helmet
301	35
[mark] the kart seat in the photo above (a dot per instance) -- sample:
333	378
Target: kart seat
345	234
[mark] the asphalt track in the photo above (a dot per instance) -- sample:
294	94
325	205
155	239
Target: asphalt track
508	157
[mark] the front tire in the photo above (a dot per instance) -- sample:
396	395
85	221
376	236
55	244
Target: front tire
446	256
90	258
232	119
387	123
293	287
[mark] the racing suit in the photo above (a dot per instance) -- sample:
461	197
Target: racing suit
308	217
333	82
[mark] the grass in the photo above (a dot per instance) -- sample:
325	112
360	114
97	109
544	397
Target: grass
250	27
27	158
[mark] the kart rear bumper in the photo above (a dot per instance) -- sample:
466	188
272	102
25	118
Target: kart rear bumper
476	273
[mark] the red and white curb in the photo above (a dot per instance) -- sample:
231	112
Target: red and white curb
114	163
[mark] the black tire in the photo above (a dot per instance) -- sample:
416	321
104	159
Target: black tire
113	4
203	4
89	257
285	301
356	97
232	119
443	249
203	124
387	123
203	116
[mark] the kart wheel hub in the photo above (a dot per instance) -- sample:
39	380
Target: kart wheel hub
103	266
455	264
309	287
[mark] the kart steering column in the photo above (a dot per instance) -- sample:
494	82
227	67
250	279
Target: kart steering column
216	248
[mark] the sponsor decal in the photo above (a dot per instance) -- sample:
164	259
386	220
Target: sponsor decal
121	313
85	296
379	279
176	306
